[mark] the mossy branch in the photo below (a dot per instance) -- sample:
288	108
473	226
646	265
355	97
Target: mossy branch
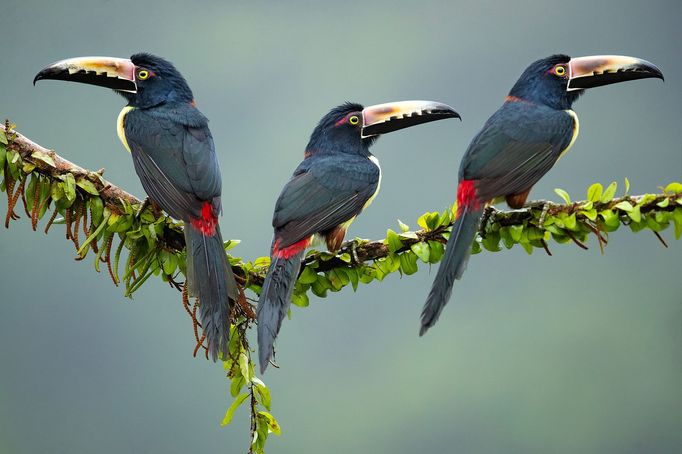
104	213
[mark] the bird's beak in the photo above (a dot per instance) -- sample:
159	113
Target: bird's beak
597	70
109	72
393	116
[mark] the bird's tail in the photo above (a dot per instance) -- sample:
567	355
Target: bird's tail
210	278
275	297
454	263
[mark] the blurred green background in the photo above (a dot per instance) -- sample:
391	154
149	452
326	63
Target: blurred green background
579	352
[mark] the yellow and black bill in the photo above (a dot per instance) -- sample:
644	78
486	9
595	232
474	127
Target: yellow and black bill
598	70
109	72
392	116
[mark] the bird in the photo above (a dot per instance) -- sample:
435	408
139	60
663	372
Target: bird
518	144
174	156
337	179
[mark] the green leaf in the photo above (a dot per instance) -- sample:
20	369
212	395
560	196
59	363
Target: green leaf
44	157
408	263
589	214
515	231
230	411
308	276
393	241
422	251
70	187
673	188
229	244
262	393
300	299
624	205
610	191
436	253
87	186
273	425
403	227
3	138
564	195
663	203
237	384
635	214
3	156
594	192
354	278
627	185
244	366
96	209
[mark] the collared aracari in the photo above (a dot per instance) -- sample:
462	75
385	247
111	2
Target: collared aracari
175	159
519	144
337	179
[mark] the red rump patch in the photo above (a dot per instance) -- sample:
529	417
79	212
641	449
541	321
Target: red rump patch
208	221
466	195
290	251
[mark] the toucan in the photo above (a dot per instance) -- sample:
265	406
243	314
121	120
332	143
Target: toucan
336	180
174	156
518	145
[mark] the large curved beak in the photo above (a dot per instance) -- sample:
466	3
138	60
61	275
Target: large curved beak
392	116
597	70
109	72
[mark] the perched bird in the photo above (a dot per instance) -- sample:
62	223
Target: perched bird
517	146
337	179
174	156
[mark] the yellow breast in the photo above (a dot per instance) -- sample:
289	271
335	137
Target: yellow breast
120	123
576	130
371	199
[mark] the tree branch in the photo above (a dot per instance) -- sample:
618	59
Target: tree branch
88	203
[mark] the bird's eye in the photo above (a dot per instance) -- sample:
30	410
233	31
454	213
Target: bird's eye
142	74
354	120
560	70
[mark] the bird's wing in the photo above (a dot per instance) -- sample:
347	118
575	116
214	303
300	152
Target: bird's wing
516	147
324	192
176	163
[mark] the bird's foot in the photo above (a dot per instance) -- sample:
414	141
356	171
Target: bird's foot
485	219
354	252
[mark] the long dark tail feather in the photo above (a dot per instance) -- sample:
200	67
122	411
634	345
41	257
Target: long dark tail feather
452	267
210	278
274	302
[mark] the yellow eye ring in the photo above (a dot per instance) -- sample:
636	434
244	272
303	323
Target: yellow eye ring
354	120
560	70
143	74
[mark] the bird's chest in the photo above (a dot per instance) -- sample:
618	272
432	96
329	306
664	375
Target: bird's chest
120	126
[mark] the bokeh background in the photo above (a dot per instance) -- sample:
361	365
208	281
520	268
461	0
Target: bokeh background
579	352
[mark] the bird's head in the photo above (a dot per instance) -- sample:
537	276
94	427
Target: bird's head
352	128
145	80
557	81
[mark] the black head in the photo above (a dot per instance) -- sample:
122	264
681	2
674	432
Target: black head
557	81
352	128
341	131
545	82
145	80
157	81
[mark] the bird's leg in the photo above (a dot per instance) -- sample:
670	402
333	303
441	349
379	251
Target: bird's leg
544	204
354	253
487	216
